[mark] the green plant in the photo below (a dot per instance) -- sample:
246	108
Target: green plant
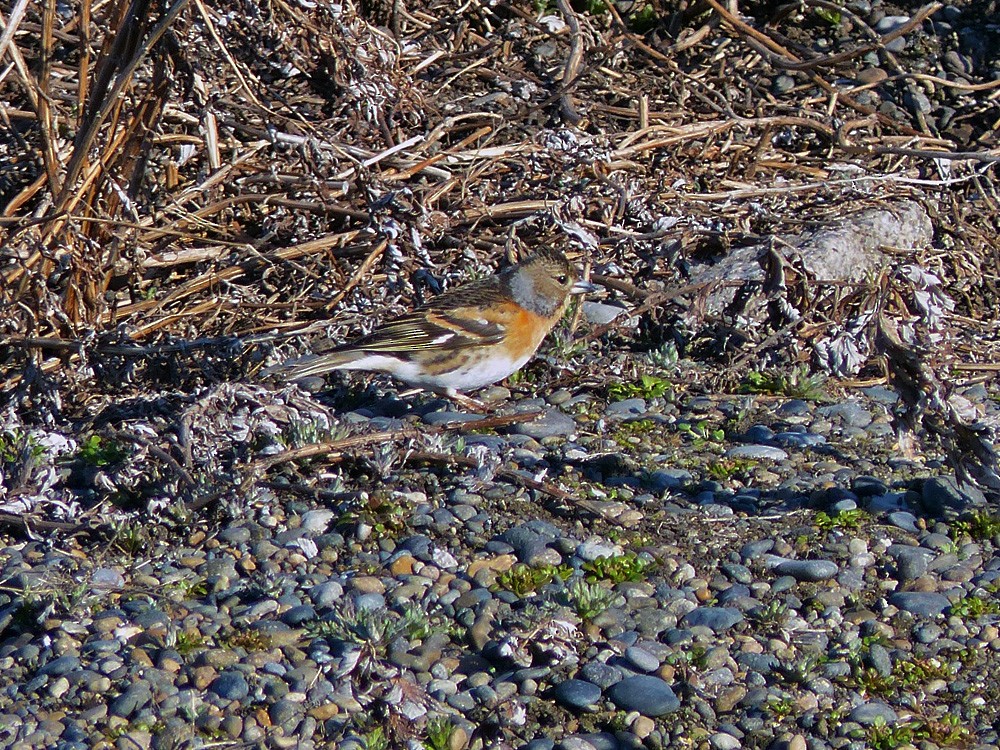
385	515
617	568
701	432
249	640
666	356
844	519
781	707
693	656
97	451
588	599
13	444
188	588
523	579
628	432
796	384
771	614
727	468
973	606
187	641
979	525
439	731
644	19
299	432
948	731
130	537
649	386
376	739
828	15
564	345
375	628
881	736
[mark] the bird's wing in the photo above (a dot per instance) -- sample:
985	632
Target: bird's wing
454	328
464	317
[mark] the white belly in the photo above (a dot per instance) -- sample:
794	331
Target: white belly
468	378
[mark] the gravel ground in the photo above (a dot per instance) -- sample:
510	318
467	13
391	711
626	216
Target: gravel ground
751	571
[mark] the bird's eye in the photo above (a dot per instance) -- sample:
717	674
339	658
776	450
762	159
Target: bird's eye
562	278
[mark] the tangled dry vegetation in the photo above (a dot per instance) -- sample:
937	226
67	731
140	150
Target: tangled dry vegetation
185	186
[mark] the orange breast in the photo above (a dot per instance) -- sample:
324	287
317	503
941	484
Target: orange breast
525	332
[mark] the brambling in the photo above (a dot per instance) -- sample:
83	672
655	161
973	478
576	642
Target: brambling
464	339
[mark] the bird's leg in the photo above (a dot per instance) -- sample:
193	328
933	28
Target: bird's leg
467	403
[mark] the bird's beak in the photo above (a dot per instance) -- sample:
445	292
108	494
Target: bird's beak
582	287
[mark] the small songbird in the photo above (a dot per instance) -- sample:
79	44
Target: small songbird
464	339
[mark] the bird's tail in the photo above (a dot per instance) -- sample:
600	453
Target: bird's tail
309	366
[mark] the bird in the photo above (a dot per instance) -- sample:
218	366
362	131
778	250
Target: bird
465	338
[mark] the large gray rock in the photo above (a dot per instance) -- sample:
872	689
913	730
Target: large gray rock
845	250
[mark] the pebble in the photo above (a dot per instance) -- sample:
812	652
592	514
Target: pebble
231	686
577	694
923	603
649	696
552	423
451	594
868	714
807	570
757	452
718	619
945	496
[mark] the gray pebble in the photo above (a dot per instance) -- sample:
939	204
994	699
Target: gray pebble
904	520
757	452
881	394
799	439
724	741
601	674
758	434
230	686
944	495
235	535
61	665
135	697
868	714
641	659
926	603
888	24
577	694
807	570
849	413
626	408
717	619
552	423
668	479
911	562
599	314
450	417
648	695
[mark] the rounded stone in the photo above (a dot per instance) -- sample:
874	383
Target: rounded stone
757	452
716	619
135	697
231	686
577	694
724	741
551	423
925	603
648	695
641	659
808	570
868	714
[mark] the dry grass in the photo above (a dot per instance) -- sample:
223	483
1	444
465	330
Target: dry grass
185	185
